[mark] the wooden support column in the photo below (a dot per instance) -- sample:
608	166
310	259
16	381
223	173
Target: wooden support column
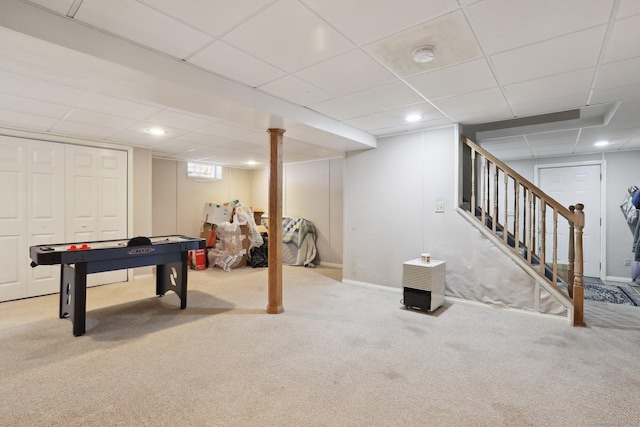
274	305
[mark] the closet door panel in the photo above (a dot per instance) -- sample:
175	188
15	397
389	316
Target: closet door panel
13	262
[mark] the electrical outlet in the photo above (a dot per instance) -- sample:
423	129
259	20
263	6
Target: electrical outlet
439	207
627	262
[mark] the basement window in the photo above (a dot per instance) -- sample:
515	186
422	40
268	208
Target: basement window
203	171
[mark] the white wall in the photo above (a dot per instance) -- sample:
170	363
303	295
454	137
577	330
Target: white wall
142	198
390	196
621	172
178	200
311	190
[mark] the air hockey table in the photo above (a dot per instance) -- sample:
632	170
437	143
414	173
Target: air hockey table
168	253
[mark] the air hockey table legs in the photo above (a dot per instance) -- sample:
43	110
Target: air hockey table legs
73	289
73	295
173	277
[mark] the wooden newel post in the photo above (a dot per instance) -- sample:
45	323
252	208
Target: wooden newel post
274	305
572	253
578	289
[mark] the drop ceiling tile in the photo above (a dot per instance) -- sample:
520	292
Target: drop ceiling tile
178	120
117	106
590	136
138	138
511	153
234	64
32	106
547	105
142	24
99	119
176	145
71	128
510	148
553	150
623	93
527	22
620	73
626	116
457	79
142	129
350	72
289	36
213	17
461	107
338	109
60	6
553	87
398	116
294	90
22	120
623	43
568	53
449	34
517	141
568	137
628	8
385	97
369	123
362	22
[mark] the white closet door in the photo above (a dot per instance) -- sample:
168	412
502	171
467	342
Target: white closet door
45	210
96	199
112	190
13	224
570	185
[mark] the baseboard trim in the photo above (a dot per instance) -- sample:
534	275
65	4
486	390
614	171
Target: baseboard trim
618	279
330	264
372	286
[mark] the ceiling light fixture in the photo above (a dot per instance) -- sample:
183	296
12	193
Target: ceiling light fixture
424	54
601	143
251	162
156	131
412	118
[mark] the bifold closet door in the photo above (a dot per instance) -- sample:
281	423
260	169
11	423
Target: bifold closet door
96	200
13	222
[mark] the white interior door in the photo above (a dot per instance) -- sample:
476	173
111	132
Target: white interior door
569	185
96	200
13	223
45	210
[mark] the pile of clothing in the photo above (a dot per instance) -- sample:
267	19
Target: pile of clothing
629	207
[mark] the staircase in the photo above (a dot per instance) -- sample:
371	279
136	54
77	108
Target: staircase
544	236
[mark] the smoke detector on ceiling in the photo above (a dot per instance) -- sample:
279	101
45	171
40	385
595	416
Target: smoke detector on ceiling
424	54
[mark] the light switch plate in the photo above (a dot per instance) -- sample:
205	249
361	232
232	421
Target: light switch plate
439	207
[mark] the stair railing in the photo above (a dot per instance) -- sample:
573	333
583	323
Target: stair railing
534	226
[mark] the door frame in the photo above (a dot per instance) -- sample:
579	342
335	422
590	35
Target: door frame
603	197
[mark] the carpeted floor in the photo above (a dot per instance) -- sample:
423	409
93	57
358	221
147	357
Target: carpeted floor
338	355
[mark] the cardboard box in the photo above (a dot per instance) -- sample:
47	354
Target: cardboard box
197	259
208	233
216	214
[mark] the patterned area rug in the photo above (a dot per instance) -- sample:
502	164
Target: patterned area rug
595	290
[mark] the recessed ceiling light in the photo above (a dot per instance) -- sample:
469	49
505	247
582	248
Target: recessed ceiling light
251	162
156	131
411	118
424	54
601	143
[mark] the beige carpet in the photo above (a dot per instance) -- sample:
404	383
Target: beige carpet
338	356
